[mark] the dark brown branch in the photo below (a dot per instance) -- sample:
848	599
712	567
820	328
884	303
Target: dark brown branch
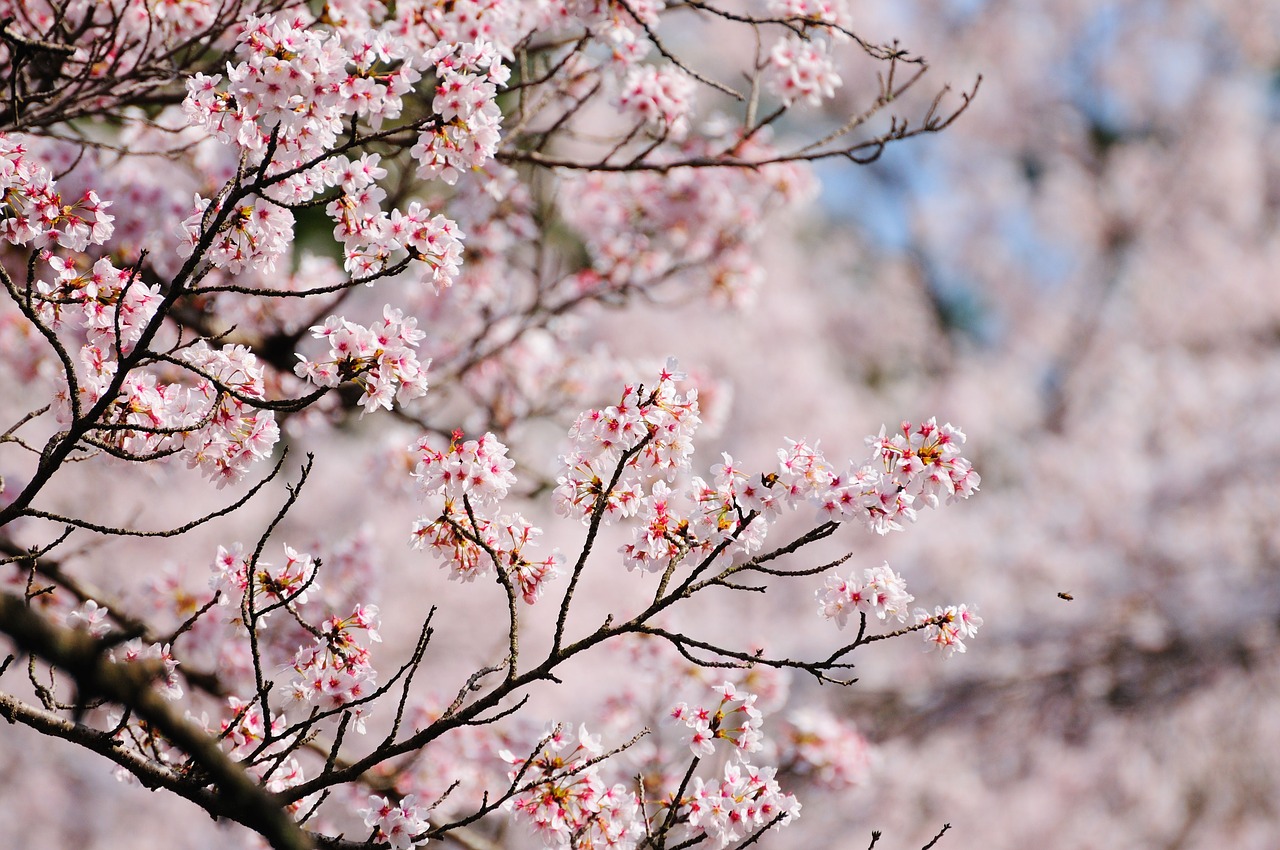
82	658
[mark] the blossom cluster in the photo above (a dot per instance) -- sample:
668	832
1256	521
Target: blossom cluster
905	471
379	359
659	96
722	519
745	800
925	462
467	131
947	628
293	88
474	550
477	469
824	749
289	96
112	305
647	432
881	592
212	422
261	750
232	432
470	476
735	719
33	211
564	799
257	234
802	69
400	824
290	582
336	669
372	239
330	662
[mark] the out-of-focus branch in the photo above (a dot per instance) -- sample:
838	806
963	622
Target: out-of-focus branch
83	658
1062	701
84	591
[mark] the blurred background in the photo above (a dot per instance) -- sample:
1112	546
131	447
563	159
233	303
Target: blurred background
1081	273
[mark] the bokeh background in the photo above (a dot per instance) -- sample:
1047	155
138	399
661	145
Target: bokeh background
1082	273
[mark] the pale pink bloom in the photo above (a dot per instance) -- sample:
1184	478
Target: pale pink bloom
91	617
660	96
825	749
399	824
381	359
802	69
949	627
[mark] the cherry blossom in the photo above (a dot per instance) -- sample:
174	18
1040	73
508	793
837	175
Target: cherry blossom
881	592
658	96
802	69
401	824
947	628
379	359
747	798
821	746
566	803
36	213
478	469
91	617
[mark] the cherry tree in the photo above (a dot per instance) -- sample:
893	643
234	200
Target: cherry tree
248	247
